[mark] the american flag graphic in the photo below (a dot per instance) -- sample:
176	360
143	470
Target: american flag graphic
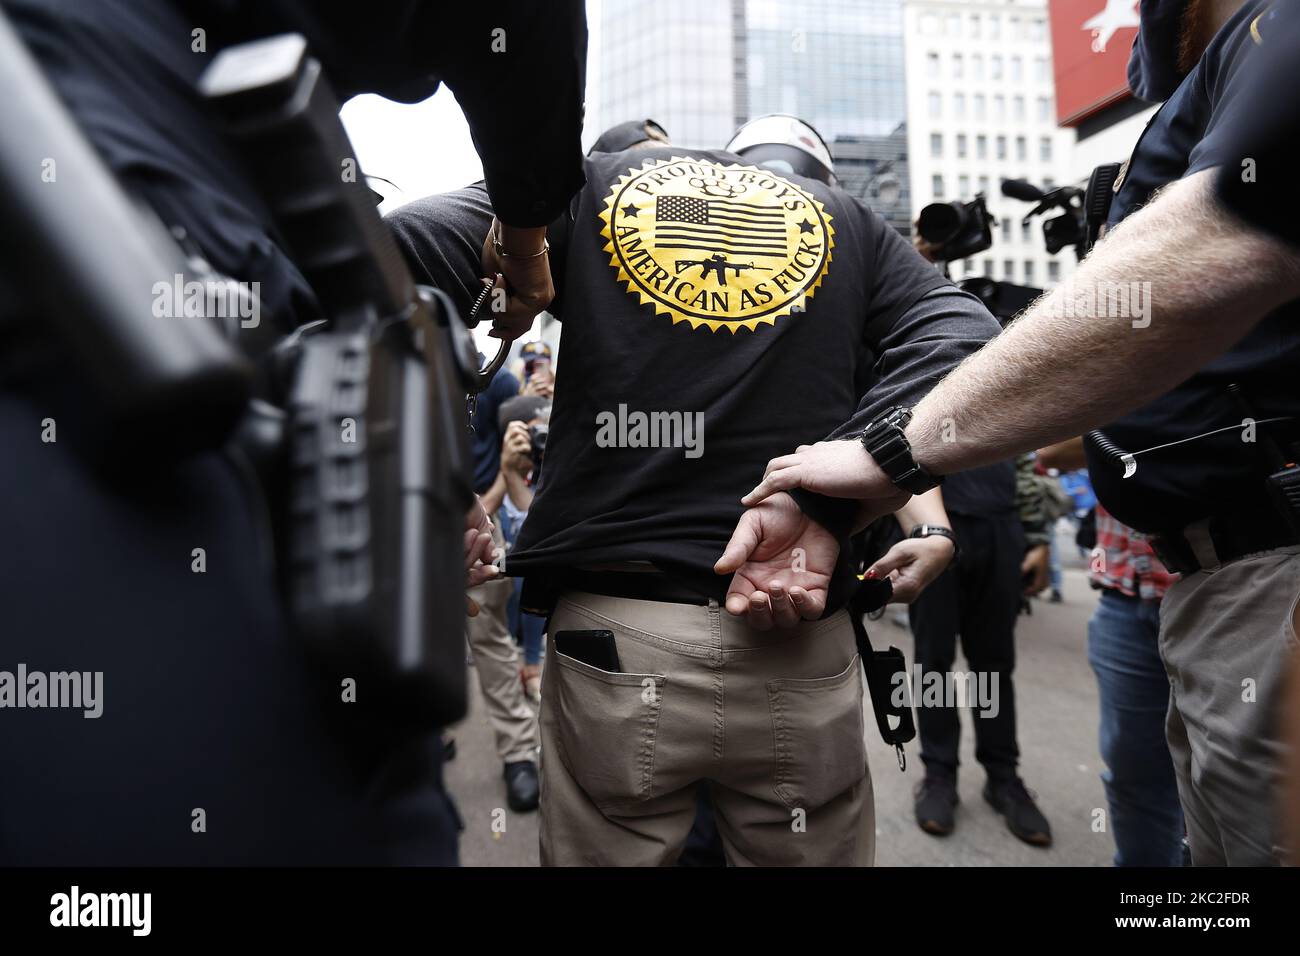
719	225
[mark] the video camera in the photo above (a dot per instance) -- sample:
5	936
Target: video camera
956	230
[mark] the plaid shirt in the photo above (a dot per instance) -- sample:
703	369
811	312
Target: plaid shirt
1123	561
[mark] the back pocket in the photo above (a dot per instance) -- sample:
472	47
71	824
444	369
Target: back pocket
818	729
606	729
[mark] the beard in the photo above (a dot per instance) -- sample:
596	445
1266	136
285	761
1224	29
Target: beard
1198	29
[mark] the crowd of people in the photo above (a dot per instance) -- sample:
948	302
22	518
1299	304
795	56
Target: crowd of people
764	404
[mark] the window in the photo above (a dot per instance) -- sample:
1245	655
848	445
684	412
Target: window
981	146
977	66
1026	232
1045	149
1006	229
1001	144
995	67
984	185
1017	69
979	106
929	24
1022	149
958	66
1053	272
936	145
1014	32
1037	29
959	105
975	25
963	186
995	31
988	268
936	105
936	186
932	65
1040	69
1044	109
954	25
1029	271
1018	108
961	145
1009	270
1049	183
999	108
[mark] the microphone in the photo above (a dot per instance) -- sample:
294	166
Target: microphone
1019	189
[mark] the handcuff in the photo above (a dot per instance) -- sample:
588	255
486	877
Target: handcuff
484	376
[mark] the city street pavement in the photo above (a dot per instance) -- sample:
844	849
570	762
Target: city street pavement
1056	702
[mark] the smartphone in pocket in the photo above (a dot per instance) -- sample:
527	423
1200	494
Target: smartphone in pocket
596	648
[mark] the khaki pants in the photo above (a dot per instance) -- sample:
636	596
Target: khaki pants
496	658
773	720
1226	637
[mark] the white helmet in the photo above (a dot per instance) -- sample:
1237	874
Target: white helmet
784	143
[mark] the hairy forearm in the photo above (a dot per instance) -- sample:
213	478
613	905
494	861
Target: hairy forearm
1196	282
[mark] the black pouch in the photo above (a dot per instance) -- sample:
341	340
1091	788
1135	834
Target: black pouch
886	672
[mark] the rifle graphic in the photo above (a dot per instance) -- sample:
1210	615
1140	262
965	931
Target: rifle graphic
719	265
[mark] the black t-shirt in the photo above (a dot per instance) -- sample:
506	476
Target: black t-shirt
1176	486
1256	180
727	310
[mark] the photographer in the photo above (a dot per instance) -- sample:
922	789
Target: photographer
526	420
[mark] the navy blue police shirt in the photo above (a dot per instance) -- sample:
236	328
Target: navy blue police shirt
714	316
1176	486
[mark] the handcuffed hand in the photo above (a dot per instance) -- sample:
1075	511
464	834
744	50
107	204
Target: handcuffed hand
912	564
480	553
840	469
781	563
524	277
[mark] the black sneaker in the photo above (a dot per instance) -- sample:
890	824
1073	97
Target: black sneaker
1011	799
935	799
523	792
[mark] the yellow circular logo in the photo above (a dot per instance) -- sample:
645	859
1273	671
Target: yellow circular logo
713	245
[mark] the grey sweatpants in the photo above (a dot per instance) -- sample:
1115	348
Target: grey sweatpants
1226	637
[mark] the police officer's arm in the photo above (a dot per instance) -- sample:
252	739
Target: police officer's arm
518	69
919	326
1055	373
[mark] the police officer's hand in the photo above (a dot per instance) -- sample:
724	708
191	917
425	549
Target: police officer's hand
781	563
912	564
840	469
522	269
517	449
1036	569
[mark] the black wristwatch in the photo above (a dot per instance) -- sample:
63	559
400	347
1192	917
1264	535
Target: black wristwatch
885	442
935	530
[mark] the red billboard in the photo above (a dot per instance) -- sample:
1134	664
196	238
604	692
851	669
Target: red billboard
1091	40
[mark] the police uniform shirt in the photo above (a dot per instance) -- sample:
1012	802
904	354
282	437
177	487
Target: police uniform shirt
1176	486
715	316
1256	179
